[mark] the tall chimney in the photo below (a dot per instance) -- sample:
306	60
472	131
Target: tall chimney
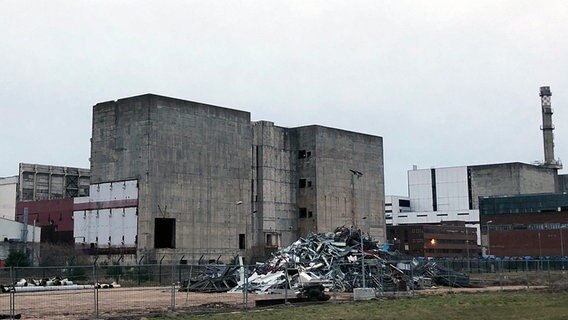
547	129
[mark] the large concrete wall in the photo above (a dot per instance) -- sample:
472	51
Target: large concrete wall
192	162
510	179
274	187
304	183
343	198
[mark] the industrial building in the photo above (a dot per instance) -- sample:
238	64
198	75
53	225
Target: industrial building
213	183
45	182
437	195
47	192
526	225
452	194
8	192
447	239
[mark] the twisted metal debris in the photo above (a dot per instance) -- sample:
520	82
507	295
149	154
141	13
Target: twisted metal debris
331	260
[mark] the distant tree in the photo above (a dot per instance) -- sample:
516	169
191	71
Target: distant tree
17	259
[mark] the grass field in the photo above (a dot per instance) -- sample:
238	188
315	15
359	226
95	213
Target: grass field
480	306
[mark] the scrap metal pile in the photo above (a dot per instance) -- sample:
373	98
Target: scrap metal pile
331	260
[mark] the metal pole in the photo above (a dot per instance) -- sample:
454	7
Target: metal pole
539	248
561	243
160	270
95	289
12	295
362	258
488	245
467	249
179	268
286	284
173	302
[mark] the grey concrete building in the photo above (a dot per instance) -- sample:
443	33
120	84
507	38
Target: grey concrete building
212	183
44	182
314	179
563	183
509	179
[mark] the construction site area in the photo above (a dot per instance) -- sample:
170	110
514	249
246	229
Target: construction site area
329	267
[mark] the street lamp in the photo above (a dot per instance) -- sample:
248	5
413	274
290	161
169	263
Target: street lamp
362	252
354	174
467	249
487	226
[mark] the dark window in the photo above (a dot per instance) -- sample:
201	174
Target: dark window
421	215
388	211
310	214
164	233
301	154
434	195
309	183
302	183
463	214
269	240
303	212
442	214
242	241
404	203
308	154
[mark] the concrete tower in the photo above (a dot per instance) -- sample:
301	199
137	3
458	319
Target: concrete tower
547	129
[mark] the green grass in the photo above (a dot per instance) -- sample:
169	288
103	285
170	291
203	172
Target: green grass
479	306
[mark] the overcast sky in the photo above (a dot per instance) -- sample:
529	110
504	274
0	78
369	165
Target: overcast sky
445	83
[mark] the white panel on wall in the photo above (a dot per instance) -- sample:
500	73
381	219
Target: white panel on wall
92	226
104	228
451	189
111	220
79	226
420	189
130	227
116	226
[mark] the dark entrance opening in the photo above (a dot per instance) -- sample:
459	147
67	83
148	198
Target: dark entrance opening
165	233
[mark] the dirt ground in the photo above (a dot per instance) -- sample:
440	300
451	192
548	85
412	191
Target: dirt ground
127	302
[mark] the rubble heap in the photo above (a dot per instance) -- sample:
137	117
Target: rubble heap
330	260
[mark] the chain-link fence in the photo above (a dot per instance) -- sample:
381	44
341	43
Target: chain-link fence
113	291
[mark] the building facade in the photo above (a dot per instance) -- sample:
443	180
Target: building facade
8	192
526	225
45	182
220	185
452	194
444	240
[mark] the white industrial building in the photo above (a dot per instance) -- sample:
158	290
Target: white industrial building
435	195
452	193
8	192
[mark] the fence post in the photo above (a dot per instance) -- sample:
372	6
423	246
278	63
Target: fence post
500	266
246	288
138	266
95	289
160	271
12	295
173	302
179	268
286	284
